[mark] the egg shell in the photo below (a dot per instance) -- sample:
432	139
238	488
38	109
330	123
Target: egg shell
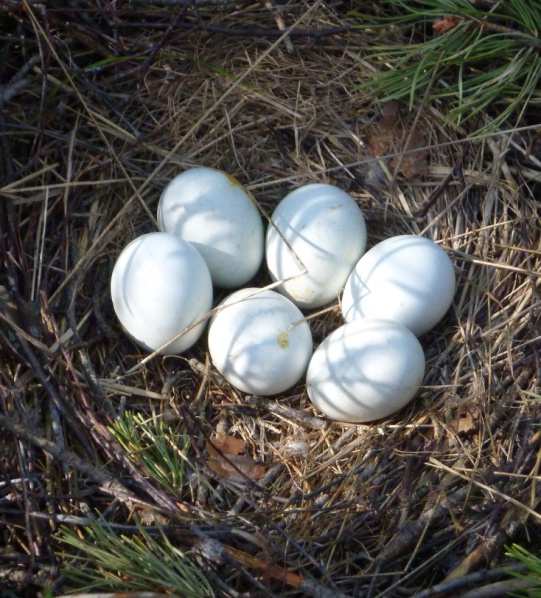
326	230
260	342
159	286
365	370
408	279
212	210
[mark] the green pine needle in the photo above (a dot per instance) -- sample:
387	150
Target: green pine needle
532	573
98	559
154	446
489	61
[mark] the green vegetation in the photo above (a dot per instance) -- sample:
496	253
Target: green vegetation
533	569
486	56
155	446
100	559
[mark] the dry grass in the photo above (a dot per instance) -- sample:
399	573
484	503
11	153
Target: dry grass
434	493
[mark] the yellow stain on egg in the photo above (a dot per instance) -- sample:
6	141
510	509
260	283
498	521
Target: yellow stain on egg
232	180
283	340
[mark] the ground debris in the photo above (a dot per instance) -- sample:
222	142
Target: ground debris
227	458
391	136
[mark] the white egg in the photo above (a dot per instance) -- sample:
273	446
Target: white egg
407	279
212	210
159	286
365	370
260	342
323	226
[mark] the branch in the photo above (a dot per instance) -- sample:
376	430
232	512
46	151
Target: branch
447	587
106	482
255	32
502	588
17	83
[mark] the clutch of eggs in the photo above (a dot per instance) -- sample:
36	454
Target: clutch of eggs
259	340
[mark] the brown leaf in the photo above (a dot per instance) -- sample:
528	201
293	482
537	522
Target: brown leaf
227	461
229	444
268	569
444	24
392	136
151	517
465	422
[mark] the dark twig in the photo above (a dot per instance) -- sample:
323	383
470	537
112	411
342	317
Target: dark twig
265	481
60	405
502	588
17	83
251	32
448	587
103	437
409	533
190	3
436	194
298	416
106	482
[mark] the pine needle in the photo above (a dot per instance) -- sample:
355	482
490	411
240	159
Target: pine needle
491	58
155	446
99	559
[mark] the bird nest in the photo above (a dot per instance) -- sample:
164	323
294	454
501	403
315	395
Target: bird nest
121	473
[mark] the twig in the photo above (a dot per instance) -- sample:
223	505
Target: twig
204	318
438	465
50	389
275	408
280	23
508	31
117	595
17	83
265	481
106	482
407	535
435	195
502	588
8	92
447	587
189	3
252	32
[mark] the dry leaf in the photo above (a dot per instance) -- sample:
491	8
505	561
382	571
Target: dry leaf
226	459
229	444
151	517
465	422
269	570
392	136
445	24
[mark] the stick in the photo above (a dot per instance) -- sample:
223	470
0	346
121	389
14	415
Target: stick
280	23
447	587
17	83
106	482
502	588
